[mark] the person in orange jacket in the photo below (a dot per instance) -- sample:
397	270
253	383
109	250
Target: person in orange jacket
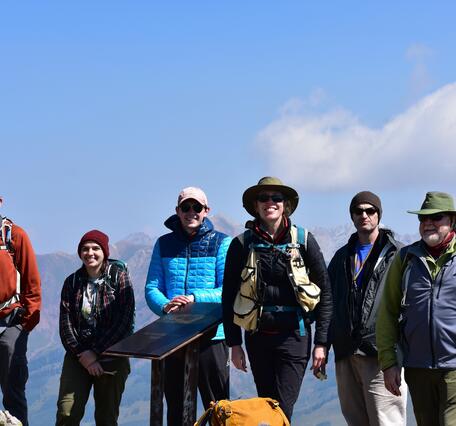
20	304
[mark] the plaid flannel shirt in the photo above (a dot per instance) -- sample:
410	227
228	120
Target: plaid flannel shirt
114	310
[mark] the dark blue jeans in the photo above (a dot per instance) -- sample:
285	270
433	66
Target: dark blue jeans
14	371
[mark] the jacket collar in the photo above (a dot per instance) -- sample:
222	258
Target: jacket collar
173	223
384	236
255	227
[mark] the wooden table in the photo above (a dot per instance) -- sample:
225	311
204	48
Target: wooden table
168	334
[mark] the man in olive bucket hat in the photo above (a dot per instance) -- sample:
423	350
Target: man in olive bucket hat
357	273
418	314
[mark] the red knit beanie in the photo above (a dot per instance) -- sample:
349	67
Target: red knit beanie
97	237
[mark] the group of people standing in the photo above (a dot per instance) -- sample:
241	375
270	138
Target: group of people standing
385	309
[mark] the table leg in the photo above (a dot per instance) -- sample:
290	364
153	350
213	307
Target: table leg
190	383
156	392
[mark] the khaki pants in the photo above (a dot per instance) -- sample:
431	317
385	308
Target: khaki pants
433	395
364	400
75	385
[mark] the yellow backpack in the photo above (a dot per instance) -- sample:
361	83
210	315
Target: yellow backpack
243	412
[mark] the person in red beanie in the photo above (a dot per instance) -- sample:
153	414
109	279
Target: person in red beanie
20	305
96	310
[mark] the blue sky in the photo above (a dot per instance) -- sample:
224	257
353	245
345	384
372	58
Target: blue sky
109	108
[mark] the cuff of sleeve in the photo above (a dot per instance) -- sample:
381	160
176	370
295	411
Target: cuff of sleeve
78	350
384	369
232	343
98	351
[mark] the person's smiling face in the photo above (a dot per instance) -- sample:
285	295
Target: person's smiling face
434	228
92	256
270	206
191	215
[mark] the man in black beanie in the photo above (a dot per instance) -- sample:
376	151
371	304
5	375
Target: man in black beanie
357	273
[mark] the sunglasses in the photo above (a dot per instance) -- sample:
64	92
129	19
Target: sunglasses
276	198
369	211
434	217
196	207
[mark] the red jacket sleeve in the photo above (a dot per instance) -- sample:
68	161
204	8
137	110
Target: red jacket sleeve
25	260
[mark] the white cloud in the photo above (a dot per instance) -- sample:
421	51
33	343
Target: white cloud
334	150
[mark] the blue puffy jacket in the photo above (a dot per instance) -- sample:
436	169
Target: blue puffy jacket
182	265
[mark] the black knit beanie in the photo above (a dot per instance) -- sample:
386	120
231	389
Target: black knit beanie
366	197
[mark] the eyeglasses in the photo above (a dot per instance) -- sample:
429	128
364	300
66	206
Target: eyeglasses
369	211
276	198
434	217
197	207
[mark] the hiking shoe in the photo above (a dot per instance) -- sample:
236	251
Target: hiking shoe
6	419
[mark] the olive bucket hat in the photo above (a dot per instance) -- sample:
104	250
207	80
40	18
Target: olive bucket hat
436	202
269	183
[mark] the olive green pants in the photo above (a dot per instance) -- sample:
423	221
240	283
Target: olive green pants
433	395
75	386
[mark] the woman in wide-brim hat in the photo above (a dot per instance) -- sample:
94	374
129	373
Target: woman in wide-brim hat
280	349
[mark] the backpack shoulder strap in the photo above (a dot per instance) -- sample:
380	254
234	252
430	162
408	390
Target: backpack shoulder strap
6	231
114	268
299	235
246	240
118	263
302	236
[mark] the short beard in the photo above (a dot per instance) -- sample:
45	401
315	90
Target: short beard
432	240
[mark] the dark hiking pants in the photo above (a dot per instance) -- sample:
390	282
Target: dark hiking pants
278	363
14	371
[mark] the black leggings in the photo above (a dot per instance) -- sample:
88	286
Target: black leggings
278	363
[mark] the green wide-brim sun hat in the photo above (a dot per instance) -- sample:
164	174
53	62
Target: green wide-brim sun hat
269	183
436	202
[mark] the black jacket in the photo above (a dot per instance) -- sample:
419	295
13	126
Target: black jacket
278	288
353	324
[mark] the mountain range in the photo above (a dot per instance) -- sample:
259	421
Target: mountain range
317	404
